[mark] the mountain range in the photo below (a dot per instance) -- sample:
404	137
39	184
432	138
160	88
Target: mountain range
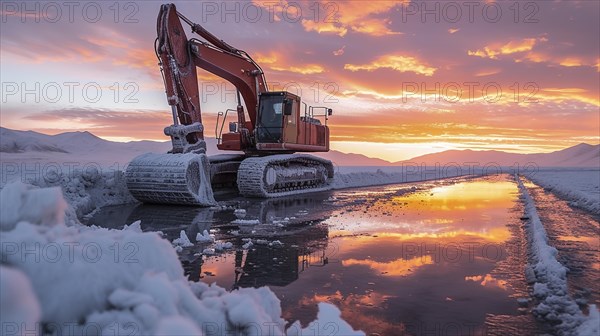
34	146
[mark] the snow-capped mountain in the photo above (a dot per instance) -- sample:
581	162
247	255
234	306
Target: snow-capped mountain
25	141
13	141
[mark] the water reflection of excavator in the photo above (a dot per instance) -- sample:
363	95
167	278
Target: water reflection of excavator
269	212
268	266
305	244
305	240
278	125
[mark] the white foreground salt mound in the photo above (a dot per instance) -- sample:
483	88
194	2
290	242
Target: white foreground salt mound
85	190
73	271
18	303
100	281
19	201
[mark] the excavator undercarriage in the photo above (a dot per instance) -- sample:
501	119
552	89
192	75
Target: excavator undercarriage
283	175
191	178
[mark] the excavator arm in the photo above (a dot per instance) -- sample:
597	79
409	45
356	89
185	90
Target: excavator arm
179	58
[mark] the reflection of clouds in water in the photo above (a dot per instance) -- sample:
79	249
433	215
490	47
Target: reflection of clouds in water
443	245
358	309
370	298
464	208
487	281
398	267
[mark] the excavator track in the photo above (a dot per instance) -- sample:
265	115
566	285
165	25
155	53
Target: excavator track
283	175
170	179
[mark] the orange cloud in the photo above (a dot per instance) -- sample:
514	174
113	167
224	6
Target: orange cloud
88	54
520	46
453	30
96	45
535	57
278	62
270	58
374	27
305	69
339	18
487	72
68	53
560	95
340	51
568	62
140	58
505	49
571	62
395	62
565	90
525	48
324	27
110	38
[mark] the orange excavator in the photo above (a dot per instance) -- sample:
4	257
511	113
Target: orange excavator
269	130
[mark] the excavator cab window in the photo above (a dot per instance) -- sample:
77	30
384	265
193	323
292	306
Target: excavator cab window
270	118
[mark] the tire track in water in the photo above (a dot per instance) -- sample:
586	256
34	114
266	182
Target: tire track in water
575	234
553	287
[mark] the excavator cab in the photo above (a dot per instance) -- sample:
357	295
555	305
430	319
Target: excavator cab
273	108
282	127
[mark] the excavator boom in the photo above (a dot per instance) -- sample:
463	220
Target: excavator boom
179	58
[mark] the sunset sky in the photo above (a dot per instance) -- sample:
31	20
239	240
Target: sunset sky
403	78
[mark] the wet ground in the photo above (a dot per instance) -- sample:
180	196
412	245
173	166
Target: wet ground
431	258
576	236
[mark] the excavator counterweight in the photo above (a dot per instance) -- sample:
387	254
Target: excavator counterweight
271	126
